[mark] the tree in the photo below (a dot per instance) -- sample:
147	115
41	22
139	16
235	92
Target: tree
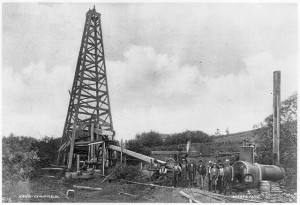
288	138
227	131
217	132
150	139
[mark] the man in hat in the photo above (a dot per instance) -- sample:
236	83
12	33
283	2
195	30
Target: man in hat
214	174
192	172
201	171
184	173
176	174
162	172
156	166
220	183
228	177
210	164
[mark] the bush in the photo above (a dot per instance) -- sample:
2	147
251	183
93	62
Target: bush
122	171
19	158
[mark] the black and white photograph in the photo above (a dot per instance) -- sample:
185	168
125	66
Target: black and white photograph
149	102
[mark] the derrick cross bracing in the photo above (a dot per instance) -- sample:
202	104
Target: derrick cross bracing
89	115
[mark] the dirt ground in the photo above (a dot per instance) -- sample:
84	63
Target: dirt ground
116	191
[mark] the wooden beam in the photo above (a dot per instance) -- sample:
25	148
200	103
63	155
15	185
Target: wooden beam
171	152
134	154
87	188
153	185
92	140
103	158
189	197
72	149
127	194
94	143
104	132
53	168
106	178
78	162
121	150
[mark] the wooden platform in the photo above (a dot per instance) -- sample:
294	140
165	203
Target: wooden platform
75	175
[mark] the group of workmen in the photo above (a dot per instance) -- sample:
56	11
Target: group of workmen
219	176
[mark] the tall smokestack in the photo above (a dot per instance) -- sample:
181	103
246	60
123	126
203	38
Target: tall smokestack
276	117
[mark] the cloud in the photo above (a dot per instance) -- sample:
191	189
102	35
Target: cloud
148	91
151	90
214	37
35	99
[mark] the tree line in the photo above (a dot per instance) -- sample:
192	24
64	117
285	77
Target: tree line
145	142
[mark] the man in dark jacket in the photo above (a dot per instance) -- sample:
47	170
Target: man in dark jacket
184	173
209	166
201	169
228	177
192	172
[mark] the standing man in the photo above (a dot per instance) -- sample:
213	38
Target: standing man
220	183
214	174
176	174
184	173
192	172
228	177
209	175
201	169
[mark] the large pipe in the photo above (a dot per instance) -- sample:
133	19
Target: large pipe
276	117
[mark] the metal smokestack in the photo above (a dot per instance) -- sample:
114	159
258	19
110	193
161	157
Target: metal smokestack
276	117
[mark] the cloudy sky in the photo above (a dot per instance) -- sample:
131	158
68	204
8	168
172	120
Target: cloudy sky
171	67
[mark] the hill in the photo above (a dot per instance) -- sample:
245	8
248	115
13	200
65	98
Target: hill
240	136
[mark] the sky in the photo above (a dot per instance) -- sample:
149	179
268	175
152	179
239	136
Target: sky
171	67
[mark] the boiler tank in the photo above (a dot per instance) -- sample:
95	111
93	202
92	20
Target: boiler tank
251	174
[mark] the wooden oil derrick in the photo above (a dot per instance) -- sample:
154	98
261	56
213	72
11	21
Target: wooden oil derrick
88	125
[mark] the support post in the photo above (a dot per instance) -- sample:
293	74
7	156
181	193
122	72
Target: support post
121	150
72	147
141	165
150	172
58	158
92	140
276	117
103	157
64	158
78	161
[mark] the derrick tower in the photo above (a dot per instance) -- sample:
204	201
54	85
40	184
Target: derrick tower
89	116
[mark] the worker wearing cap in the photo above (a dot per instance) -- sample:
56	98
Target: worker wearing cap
228	177
176	174
210	164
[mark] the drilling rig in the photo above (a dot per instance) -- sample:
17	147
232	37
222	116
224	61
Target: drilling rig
88	126
88	138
